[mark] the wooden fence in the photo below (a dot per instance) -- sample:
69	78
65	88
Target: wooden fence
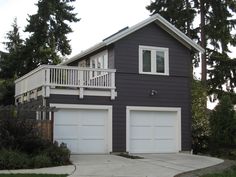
45	128
43	125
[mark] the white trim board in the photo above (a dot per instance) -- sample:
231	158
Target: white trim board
168	27
86	92
144	108
101	107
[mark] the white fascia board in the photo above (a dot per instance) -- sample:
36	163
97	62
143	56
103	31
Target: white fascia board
165	23
130	30
84	53
180	34
155	17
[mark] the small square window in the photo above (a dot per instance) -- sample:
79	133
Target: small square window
153	60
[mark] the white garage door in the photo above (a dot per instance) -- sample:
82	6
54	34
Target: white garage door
153	131
83	130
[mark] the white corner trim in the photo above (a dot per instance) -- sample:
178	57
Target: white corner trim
145	108
98	107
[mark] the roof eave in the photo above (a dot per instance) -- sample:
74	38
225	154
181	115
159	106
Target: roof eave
156	17
84	53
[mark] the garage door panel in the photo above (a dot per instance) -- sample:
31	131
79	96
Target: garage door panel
83	130
152	131
92	121
139	121
93	132
167	145
141	132
92	117
141	146
63	118
165	119
164	132
87	146
65	131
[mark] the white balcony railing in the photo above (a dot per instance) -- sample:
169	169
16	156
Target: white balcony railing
50	76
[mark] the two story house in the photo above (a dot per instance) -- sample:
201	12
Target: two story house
129	93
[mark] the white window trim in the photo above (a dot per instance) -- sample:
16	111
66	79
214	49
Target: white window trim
98	107
144	108
153	60
95	58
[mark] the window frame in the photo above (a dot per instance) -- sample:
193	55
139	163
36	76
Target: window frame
153	59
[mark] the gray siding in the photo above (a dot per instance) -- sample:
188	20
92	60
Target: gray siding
133	88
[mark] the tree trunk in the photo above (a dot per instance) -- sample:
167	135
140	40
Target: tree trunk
188	22
203	41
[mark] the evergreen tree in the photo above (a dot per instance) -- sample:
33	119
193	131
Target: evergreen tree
223	124
181	13
220	23
10	61
10	64
178	12
216	24
48	29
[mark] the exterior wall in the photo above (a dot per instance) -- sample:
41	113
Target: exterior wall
133	88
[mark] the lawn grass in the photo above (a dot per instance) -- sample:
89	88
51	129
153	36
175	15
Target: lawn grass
227	173
31	175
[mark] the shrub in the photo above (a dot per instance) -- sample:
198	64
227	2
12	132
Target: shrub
40	161
60	155
223	126
200	119
21	137
10	159
21	134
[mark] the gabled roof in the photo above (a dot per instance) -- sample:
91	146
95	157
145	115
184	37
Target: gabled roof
172	30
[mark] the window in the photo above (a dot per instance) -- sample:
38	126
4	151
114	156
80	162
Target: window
99	61
153	60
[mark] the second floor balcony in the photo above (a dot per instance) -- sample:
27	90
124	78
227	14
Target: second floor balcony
51	79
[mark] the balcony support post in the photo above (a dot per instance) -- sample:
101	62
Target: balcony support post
47	82
113	86
81	84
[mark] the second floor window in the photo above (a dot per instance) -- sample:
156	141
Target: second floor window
153	60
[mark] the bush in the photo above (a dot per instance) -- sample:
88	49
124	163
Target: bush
19	137
40	161
223	126
60	155
200	118
20	134
10	159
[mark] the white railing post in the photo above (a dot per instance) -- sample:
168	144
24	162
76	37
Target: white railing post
112	85
47	76
47	82
81	84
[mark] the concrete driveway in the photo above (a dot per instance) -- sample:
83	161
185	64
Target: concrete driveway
153	165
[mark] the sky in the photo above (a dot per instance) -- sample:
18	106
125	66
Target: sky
99	19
